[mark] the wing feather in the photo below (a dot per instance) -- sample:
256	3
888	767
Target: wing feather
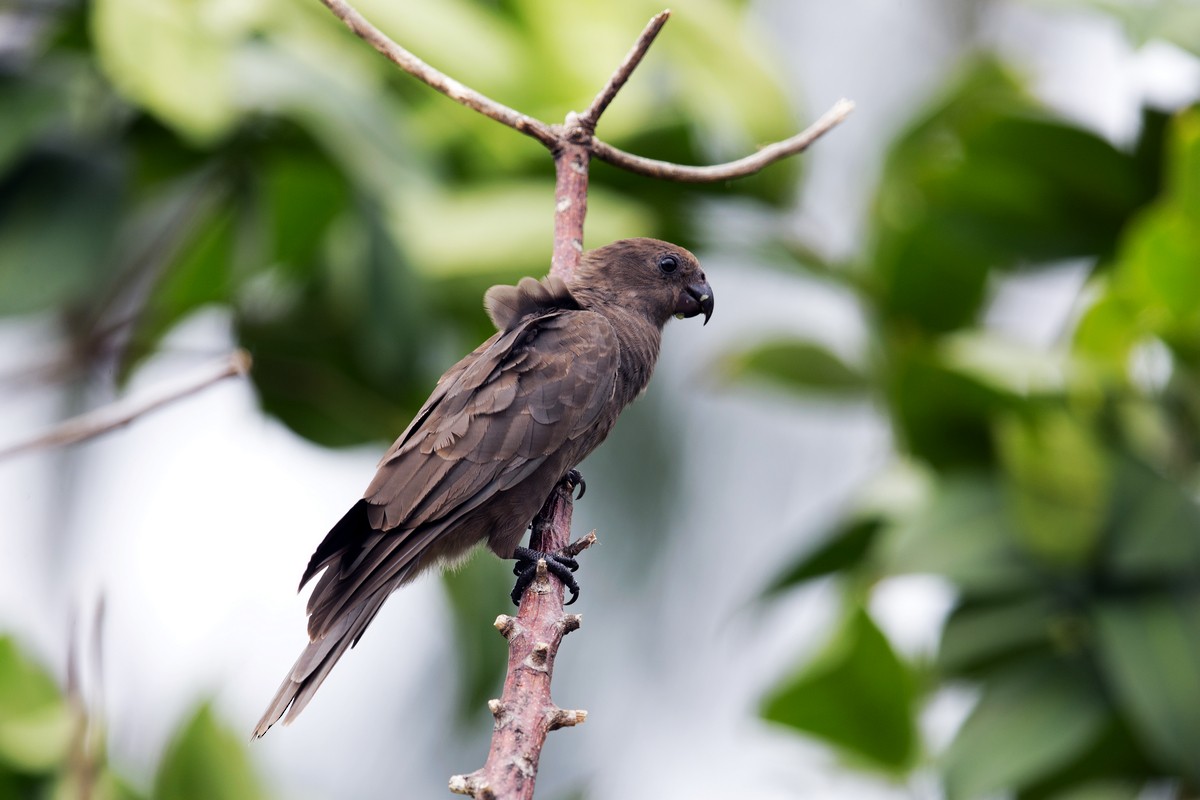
493	420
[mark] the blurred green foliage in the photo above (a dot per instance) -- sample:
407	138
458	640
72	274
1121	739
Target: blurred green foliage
1054	489
50	749
158	158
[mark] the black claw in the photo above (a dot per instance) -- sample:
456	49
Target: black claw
575	478
526	570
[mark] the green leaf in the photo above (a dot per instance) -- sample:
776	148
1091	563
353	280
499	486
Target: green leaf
987	180
196	213
1029	722
346	356
105	786
844	548
1102	790
1154	290
859	696
1154	525
964	533
1149	650
1059	479
174	58
800	366
30	106
514	218
57	219
982	635
206	761
942	415
35	722
236	233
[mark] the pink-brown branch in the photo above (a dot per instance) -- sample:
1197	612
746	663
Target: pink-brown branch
524	714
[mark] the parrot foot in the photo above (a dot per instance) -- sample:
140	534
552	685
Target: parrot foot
558	565
575	478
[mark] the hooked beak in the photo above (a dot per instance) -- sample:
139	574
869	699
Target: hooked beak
696	299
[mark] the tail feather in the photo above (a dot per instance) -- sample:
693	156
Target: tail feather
315	662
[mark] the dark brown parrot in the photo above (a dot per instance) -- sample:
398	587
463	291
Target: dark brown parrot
502	427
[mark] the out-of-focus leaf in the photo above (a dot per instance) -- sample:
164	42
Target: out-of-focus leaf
504	230
1154	288
1113	765
35	723
963	533
1102	790
30	106
858	696
1010	367
1150	651
57	218
1059	478
844	548
1107	333
174	58
1029	722
224	227
345	357
981	635
105	786
804	367
987	181
474	590
206	761
196	225
1155	525
941	415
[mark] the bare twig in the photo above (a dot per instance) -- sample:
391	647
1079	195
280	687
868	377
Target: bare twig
525	713
634	57
439	80
117	415
666	170
579	127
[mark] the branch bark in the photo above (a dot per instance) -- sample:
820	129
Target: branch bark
524	713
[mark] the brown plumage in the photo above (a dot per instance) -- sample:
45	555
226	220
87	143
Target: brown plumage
501	428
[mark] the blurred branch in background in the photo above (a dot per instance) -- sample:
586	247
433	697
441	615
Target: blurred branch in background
118	415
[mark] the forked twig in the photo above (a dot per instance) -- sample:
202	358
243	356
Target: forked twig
581	126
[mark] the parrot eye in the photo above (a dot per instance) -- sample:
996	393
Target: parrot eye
668	264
